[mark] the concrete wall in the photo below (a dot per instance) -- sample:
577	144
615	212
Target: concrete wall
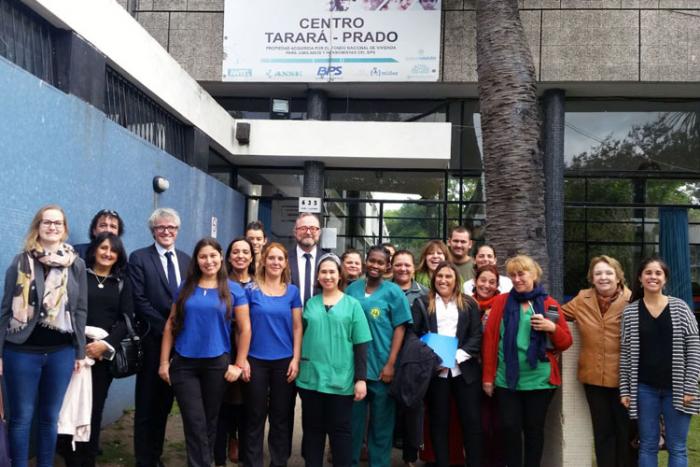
571	40
55	148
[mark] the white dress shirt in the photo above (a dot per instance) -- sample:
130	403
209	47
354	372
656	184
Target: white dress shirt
301	264
447	317
164	261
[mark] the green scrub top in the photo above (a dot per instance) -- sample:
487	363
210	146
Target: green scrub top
327	358
385	309
530	378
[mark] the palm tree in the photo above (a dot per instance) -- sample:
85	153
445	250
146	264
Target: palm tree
510	123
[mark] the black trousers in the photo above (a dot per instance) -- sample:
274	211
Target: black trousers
268	393
231	425
86	453
522	415
321	415
154	400
409	429
199	385
468	400
610	426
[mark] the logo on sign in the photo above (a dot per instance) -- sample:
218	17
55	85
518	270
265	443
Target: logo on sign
279	74
378	72
240	72
420	69
325	71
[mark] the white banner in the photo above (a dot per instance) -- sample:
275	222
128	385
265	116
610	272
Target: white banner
331	40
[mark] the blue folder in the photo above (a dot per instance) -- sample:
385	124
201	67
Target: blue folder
444	346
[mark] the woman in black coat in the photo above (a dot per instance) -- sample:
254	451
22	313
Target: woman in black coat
448	312
109	301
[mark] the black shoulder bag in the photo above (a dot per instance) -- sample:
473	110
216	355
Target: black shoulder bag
128	354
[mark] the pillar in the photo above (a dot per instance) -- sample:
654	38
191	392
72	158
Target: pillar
316	109
554	119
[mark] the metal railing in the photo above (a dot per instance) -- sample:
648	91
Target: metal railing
134	110
26	39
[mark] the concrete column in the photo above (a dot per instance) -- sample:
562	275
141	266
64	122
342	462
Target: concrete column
557	427
253	209
316	105
314	178
554	118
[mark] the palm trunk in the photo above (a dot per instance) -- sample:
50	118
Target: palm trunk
510	124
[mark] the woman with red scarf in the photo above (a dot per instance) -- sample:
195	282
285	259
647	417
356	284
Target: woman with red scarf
524	334
486	283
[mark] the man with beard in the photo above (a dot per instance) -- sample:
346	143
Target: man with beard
460	244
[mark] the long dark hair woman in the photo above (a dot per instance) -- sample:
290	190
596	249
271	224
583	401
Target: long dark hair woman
240	261
275	350
230	433
485	290
42	332
333	368
199	329
659	364
524	334
598	312
109	301
448	312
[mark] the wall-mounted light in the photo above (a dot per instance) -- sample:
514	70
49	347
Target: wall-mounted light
279	109
243	132
160	184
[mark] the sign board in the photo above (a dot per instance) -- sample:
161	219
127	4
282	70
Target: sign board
214	226
310	204
331	40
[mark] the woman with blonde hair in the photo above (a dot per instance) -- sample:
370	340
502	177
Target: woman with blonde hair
598	311
433	253
525	333
42	332
448	312
275	351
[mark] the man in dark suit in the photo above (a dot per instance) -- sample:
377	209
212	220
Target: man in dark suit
304	256
156	273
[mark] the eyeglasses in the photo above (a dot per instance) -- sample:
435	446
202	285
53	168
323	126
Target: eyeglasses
163	228
306	228
48	223
108	212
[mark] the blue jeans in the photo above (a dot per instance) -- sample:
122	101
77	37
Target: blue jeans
35	381
652	404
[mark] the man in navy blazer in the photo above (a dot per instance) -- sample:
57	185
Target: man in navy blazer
156	273
307	233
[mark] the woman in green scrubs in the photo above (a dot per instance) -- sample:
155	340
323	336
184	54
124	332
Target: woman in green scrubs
333	366
387	311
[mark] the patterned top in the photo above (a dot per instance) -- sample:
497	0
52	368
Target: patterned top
686	356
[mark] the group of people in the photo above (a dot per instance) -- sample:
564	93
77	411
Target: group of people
235	334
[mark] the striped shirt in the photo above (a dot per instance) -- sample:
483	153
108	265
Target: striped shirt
686	356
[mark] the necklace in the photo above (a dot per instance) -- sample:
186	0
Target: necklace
101	283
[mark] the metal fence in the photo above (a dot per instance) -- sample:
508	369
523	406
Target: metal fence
26	39
133	109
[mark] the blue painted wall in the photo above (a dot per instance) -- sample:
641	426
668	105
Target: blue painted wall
55	148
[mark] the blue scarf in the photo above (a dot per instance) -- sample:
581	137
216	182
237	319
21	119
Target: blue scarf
536	351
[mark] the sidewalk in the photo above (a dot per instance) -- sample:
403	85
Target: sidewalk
117	443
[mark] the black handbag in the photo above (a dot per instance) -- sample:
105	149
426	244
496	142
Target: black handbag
128	354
